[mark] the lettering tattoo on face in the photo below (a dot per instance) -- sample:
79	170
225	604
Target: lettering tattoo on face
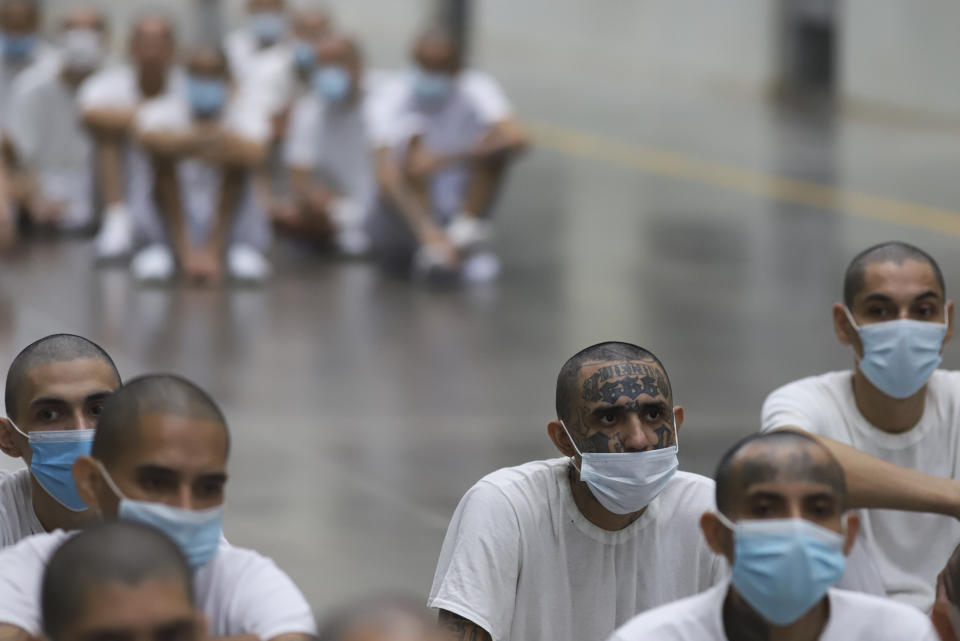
603	443
664	436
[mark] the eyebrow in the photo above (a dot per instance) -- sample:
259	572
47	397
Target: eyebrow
47	400
648	405
883	298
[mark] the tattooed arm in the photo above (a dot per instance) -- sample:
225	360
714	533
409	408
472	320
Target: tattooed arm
454	627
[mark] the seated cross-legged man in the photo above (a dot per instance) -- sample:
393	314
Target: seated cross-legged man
204	147
893	421
567	549
159	457
119	580
781	522
55	391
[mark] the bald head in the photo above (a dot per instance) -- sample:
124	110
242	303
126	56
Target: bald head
338	49
56	348
379	618
19	17
436	50
85	17
311	24
775	457
115	554
895	252
118	431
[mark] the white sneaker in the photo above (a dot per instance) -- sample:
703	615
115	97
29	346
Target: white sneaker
469	233
247	264
482	267
348	217
430	264
116	233
154	264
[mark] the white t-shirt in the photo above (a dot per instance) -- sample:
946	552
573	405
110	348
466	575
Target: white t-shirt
45	55
200	181
336	144
17	518
118	88
45	128
853	617
239	591
477	103
265	74
521	561
909	548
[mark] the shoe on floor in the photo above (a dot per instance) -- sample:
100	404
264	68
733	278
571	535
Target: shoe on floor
469	233
481	267
247	264
115	239
154	264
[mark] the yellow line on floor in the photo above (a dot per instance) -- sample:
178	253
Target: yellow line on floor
786	190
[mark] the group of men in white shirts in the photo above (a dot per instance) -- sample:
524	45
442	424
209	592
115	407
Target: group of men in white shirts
836	521
185	159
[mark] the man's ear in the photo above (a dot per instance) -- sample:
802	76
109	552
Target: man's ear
719	537
560	439
8	439
845	332
949	306
678	415
89	482
853	528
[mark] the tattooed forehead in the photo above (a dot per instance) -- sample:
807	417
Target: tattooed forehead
607	382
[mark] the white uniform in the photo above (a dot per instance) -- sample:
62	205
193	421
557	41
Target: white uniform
17	518
45	55
118	88
853	617
521	561
45	128
909	549
477	103
265	74
200	181
240	592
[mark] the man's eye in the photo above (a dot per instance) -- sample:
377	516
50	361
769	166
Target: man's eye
48	416
877	312
924	312
608	419
210	490
653	415
155	484
97	409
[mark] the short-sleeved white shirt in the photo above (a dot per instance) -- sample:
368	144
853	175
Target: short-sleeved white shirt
853	617
521	561
200	181
476	104
265	74
240	592
17	518
909	548
45	55
45	128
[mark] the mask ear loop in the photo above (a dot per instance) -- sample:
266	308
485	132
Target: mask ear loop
110	483
730	525
19	431
573	443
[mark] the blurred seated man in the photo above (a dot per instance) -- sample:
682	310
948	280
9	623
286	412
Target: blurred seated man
567	549
781	522
893	421
20	48
329	154
109	101
204	149
159	458
119	581
946	609
55	392
445	139
310	25
380	618
52	152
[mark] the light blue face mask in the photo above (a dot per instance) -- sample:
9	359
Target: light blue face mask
783	567
196	532
207	95
54	452
626	482
332	83
268	27
431	87
900	355
304	58
17	49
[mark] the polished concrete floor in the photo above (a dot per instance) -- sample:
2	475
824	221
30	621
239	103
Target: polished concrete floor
363	406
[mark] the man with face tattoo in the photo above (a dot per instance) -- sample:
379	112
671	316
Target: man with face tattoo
567	549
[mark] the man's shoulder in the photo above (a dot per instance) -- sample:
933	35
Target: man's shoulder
691	485
14	484
818	384
945	382
35	80
540	473
881	611
688	618
33	551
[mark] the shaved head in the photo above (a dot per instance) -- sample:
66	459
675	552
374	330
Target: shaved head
118	431
890	252
379	618
775	456
338	48
607	352
56	348
119	552
436	49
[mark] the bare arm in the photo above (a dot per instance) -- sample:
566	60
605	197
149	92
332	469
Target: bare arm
454	627
398	192
233	183
13	633
106	121
874	483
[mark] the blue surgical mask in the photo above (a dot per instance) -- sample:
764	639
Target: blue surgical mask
303	56
18	49
900	355
268	27
783	567
54	452
196	532
207	95
626	482
430	87
332	83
